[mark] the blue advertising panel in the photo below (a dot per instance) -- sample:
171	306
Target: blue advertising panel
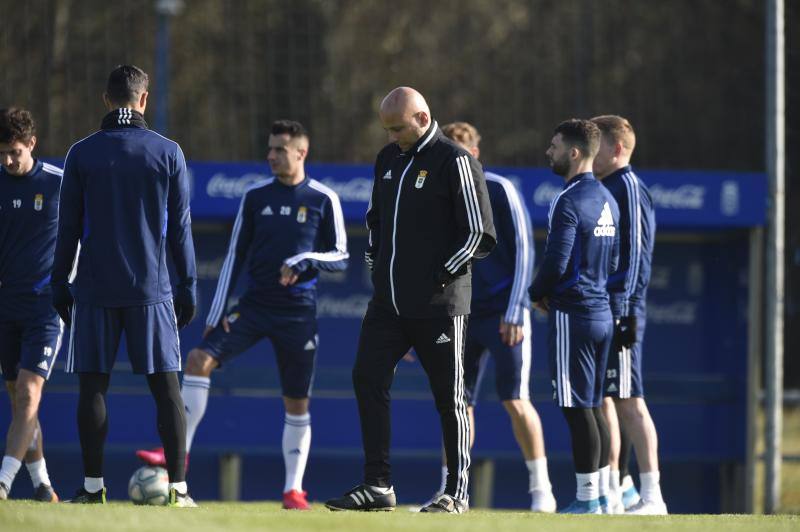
683	198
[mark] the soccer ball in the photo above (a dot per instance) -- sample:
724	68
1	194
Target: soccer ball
149	485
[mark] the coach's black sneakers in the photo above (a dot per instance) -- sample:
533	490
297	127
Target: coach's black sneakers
365	498
446	504
45	493
84	497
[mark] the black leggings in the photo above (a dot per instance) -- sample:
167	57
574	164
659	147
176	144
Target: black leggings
625	448
590	438
93	421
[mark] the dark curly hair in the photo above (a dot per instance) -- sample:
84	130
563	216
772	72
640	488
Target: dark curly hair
16	125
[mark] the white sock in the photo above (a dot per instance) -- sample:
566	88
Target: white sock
180	487
195	398
93	485
443	485
588	486
296	443
538	478
382	491
651	488
613	481
38	472
9	470
605	474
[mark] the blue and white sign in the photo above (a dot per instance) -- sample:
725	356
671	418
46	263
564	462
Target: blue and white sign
683	199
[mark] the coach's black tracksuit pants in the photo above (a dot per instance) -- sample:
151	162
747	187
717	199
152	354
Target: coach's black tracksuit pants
439	344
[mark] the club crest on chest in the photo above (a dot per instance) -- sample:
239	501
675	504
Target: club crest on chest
421	179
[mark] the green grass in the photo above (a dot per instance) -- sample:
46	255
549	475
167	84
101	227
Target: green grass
230	517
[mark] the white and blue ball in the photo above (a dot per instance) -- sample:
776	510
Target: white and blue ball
149	485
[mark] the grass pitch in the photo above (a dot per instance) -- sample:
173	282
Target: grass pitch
230	517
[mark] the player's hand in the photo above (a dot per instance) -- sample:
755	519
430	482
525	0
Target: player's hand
288	276
63	303
543	306
625	331
510	333
226	326
184	311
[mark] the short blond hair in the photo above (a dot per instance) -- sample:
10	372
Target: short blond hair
463	133
616	129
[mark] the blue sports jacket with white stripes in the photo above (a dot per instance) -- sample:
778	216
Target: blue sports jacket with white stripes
28	225
637	227
500	282
301	226
125	197
429	216
582	249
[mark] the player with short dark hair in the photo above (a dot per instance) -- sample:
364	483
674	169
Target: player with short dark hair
30	330
125	198
581	252
624	388
126	83
291	227
428	218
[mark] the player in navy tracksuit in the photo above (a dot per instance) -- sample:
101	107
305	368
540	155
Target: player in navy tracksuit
30	330
125	197
288	229
581	252
628	291
500	323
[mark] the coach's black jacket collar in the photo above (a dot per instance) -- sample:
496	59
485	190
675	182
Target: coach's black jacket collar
430	137
123	117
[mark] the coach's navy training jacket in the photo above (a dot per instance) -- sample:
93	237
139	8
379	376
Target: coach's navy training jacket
125	197
429	216
500	281
301	226
637	230
28	224
582	249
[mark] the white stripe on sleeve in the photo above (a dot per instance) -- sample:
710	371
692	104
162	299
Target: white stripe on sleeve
473	217
523	263
223	284
340	251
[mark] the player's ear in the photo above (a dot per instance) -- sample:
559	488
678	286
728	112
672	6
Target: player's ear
32	143
618	149
143	100
107	102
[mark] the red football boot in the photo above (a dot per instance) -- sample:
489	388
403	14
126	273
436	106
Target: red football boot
295	500
155	457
